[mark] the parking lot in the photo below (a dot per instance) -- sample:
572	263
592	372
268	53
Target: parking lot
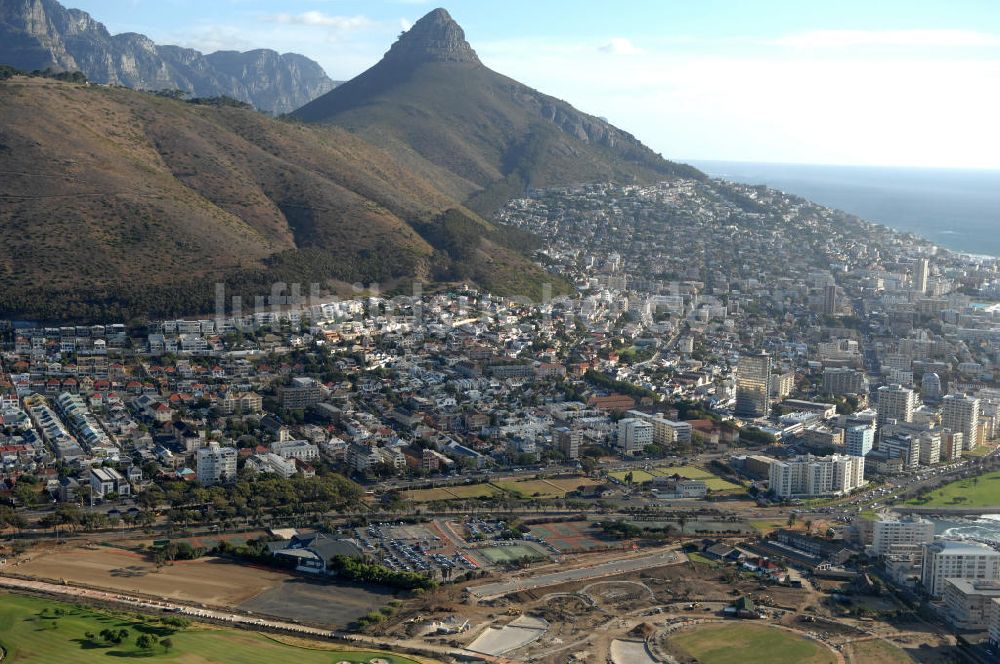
413	548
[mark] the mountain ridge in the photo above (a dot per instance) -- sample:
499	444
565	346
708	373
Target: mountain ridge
40	34
432	99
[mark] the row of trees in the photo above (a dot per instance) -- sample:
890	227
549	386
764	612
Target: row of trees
359	570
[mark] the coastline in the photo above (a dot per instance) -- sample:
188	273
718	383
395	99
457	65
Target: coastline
957	210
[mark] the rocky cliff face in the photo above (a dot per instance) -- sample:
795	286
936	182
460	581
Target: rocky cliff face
434	38
35	34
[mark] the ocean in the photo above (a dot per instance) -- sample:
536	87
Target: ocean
955	209
985	526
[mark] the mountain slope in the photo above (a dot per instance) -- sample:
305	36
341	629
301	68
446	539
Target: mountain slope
483	136
37	34
119	203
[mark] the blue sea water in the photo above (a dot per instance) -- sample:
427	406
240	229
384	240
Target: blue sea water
955	209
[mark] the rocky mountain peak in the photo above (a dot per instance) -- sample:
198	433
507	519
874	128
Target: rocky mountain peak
434	38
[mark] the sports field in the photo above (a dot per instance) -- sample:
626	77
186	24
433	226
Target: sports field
41	631
529	489
503	554
554	488
982	491
458	492
746	643
690	472
638	476
570	535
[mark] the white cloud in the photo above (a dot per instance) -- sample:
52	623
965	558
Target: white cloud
905	38
405	24
317	18
619	46
778	104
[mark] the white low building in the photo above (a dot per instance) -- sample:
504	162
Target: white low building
948	559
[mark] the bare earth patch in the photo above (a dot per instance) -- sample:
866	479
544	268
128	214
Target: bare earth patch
206	580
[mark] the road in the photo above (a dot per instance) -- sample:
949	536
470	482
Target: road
623	566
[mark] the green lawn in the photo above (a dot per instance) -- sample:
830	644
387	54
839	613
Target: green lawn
696	557
982	491
981	450
747	643
30	637
690	472
638	476
714	483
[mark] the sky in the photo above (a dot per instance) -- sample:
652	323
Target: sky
873	82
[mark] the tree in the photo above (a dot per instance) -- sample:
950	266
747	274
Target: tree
146	641
167	644
791	519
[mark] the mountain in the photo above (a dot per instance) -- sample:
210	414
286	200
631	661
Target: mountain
39	34
482	136
117	204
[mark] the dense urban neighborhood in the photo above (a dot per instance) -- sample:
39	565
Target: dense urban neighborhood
779	424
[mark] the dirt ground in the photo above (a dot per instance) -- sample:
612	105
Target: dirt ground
318	602
206	580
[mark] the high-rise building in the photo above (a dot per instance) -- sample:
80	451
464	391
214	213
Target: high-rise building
948	559
901	446
961	413
951	445
567	441
216	464
844	380
921	270
930	447
830	302
890	532
302	393
859	440
753	376
634	435
895	402
930	386
816	476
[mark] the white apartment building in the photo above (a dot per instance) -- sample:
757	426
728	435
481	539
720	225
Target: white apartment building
302	450
817	476
891	532
634	435
961	413
859	440
930	447
273	464
665	432
969	602
895	402
216	464
947	559
104	481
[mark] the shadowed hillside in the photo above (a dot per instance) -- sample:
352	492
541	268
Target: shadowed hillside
115	202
